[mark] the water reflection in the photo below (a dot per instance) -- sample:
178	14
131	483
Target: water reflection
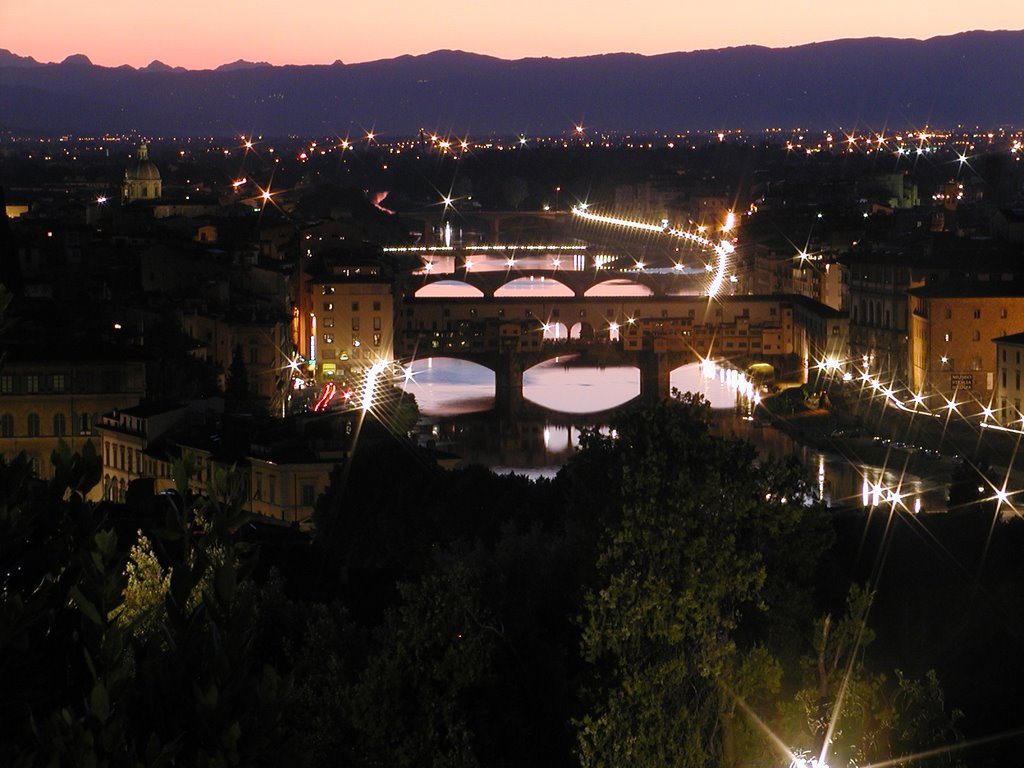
445	387
455	397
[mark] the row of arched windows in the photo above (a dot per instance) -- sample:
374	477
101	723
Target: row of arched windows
33	425
114	489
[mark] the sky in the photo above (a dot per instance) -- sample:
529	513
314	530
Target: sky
202	34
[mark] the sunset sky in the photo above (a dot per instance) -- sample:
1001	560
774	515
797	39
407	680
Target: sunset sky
202	34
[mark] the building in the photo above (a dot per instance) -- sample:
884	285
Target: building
49	396
260	338
951	347
141	179
1006	403
127	440
280	471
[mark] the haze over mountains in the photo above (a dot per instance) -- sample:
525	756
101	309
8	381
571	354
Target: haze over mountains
971	78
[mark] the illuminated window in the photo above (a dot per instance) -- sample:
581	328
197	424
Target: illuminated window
328	306
376	339
32	383
58	382
328	338
355	323
947	336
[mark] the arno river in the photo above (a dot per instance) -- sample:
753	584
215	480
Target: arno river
456	398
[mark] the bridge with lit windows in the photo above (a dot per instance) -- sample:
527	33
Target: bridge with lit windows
655	334
512	307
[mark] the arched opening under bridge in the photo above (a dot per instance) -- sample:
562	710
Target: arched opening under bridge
619	287
447	386
534	286
449	289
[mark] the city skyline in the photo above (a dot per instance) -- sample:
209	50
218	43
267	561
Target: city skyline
204	36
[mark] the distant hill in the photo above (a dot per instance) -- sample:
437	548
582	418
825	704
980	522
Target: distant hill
971	78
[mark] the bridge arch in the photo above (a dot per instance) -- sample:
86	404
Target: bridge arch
619	287
582	331
542	286
555	331
449	289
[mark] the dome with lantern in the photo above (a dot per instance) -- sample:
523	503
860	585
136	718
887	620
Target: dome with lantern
141	179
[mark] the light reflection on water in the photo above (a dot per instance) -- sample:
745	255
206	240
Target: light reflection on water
446	387
455	397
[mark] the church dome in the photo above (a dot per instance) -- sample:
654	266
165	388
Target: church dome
143	170
141	180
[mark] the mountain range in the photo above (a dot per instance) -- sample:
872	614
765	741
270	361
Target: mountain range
971	78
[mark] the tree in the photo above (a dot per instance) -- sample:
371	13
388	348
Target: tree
412	705
81	686
676	574
860	716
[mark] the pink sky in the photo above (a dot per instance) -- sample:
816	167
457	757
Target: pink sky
206	33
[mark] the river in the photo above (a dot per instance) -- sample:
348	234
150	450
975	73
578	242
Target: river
456	398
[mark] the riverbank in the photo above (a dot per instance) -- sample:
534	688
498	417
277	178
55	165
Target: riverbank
866	429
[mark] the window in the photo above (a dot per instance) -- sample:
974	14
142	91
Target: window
328	290
131	465
376	323
328	306
328	322
355	306
257	489
120	457
977	314
83	424
376	339
59	382
948	313
947	336
272	489
976	336
308	494
33	425
376	306
106	454
59	424
1017	380
1002	313
328	338
975	363
7	425
6	385
32	383
355	323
